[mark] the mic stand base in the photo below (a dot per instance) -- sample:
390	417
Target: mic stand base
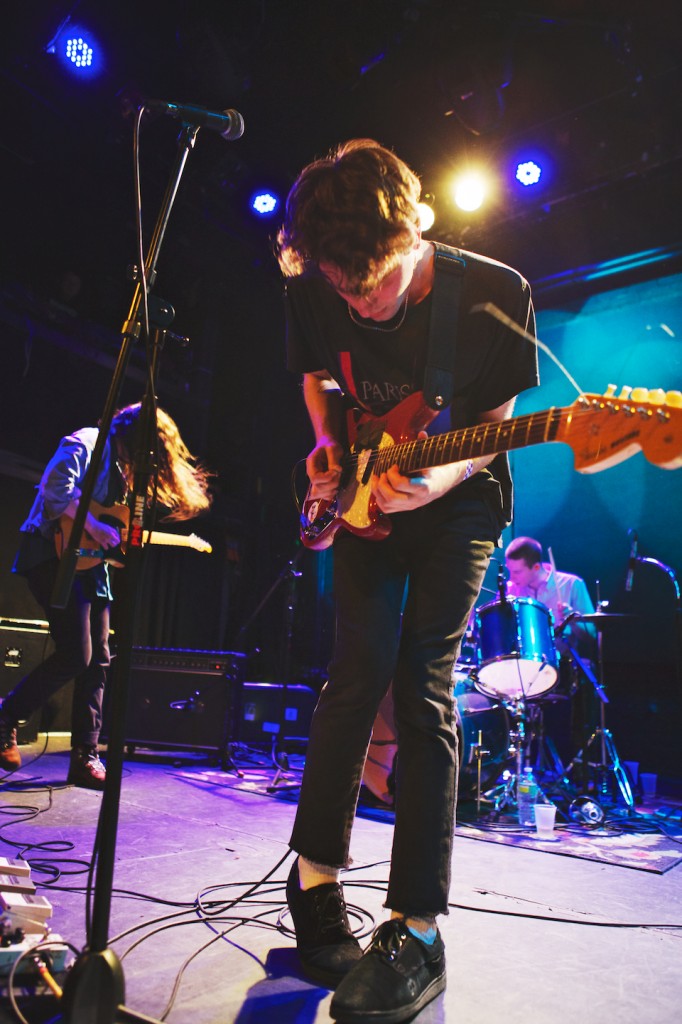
227	762
94	992
282	764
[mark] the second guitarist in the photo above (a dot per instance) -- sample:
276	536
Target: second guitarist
80	631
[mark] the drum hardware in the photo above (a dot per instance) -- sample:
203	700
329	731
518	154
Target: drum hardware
609	763
504	793
547	762
478	753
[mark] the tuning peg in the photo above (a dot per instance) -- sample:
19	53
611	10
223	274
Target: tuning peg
624	393
639	395
657	396
674	398
610	391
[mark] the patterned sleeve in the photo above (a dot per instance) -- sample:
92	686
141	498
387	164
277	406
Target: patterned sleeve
63	474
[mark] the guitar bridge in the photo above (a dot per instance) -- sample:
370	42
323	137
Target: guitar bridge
312	525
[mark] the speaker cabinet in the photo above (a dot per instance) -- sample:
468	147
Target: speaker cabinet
181	699
24	643
270	710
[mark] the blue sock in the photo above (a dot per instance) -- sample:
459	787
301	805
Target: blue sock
428	937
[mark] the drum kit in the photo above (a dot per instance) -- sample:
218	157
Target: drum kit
509	670
508	673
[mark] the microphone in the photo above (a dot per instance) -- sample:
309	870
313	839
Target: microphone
632	562
228	123
501	585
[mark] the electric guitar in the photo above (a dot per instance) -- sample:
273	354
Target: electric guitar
117	516
601	430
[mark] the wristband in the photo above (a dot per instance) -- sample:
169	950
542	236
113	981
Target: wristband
469	470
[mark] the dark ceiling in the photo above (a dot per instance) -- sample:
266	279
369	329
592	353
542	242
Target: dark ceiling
595	85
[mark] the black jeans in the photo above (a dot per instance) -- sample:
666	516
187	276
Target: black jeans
81	637
385	633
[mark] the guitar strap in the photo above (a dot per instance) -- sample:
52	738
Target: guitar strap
439	375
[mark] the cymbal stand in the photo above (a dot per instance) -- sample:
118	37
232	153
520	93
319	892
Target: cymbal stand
609	763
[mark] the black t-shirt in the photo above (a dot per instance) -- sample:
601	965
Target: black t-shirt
377	369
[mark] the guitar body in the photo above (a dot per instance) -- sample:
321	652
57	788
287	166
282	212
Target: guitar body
354	507
601	430
118	516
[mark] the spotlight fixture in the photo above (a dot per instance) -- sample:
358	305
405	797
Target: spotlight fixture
77	50
528	173
264	204
470	190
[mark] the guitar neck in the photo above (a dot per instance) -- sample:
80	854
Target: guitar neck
471	442
167	539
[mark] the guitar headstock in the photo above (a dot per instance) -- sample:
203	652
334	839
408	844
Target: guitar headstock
604	430
199	544
657	396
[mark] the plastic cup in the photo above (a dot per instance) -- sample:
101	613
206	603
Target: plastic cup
648	782
545	815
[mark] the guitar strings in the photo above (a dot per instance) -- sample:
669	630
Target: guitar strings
548	420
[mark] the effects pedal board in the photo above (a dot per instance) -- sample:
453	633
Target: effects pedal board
53	948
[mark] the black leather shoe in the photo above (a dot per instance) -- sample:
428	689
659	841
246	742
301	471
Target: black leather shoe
397	976
326	946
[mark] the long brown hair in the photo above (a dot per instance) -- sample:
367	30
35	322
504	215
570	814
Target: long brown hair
181	483
356	209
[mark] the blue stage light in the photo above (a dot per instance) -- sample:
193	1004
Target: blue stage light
77	50
530	169
264	204
528	173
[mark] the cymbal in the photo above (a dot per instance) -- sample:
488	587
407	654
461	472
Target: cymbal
596	617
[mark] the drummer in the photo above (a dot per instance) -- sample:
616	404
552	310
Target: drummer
566	595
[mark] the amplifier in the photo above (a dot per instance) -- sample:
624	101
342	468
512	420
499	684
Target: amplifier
180	659
270	710
182	699
24	644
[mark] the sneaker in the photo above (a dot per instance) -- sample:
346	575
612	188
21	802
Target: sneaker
326	946
86	769
10	758
397	976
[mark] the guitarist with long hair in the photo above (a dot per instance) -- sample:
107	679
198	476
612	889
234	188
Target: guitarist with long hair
358	305
80	631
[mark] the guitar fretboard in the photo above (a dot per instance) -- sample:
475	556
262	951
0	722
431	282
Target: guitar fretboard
470	442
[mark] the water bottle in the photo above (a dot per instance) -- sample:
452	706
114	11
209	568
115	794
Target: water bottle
526	795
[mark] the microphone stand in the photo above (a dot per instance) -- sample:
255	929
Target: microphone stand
292	574
94	990
670	572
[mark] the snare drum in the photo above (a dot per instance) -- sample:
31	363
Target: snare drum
516	653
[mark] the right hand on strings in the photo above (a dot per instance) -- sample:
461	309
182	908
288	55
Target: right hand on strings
323	466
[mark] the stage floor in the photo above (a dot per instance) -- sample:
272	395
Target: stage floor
531	937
